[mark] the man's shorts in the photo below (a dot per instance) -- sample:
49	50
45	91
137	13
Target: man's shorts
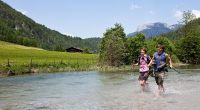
159	77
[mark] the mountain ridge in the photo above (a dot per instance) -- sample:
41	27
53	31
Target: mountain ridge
154	29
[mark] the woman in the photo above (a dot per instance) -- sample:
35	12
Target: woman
143	61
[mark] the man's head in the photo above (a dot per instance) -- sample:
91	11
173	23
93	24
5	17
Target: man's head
160	48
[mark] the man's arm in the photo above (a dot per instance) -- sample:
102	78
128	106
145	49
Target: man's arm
169	60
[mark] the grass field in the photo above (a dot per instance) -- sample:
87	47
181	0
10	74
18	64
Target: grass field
22	59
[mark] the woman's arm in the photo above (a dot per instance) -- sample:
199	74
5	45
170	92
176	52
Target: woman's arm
133	65
151	62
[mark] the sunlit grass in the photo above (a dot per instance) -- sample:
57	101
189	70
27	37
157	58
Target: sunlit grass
22	56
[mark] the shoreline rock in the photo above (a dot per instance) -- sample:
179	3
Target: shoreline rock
10	73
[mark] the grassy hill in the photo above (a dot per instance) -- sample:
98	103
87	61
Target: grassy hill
22	59
20	29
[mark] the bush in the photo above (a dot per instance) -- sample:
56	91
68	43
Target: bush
189	49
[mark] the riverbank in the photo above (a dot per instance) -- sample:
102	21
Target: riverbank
37	69
22	70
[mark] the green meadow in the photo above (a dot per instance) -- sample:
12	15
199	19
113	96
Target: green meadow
22	59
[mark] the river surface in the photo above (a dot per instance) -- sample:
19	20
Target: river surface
99	91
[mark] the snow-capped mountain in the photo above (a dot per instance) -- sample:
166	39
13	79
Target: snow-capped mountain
154	29
175	26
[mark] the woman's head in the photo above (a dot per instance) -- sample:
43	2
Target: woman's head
160	48
143	51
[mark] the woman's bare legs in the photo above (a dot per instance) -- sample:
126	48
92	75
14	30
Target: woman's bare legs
142	84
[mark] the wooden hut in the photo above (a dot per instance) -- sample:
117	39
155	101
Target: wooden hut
73	49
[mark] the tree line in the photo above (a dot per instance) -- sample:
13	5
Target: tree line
183	44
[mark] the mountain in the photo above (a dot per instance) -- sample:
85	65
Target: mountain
155	29
20	29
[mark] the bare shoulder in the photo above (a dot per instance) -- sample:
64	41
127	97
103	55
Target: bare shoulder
166	54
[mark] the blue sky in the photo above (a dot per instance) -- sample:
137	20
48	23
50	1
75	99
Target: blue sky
91	18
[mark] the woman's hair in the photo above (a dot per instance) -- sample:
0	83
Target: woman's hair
143	49
161	46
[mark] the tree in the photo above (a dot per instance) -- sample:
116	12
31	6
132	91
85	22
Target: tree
189	49
187	16
133	46
59	47
112	46
86	50
169	47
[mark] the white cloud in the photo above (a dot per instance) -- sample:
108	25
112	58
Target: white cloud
178	14
135	6
68	34
196	13
152	12
22	11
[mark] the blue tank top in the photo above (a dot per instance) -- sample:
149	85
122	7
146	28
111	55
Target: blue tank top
160	59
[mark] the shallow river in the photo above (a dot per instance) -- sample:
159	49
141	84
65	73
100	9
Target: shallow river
99	91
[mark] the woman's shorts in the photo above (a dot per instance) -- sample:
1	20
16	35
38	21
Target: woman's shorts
143	76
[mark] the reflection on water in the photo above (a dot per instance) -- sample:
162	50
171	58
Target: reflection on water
98	91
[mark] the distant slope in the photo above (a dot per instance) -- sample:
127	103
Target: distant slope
155	29
191	29
10	50
18	28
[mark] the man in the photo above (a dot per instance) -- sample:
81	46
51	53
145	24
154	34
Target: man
161	61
